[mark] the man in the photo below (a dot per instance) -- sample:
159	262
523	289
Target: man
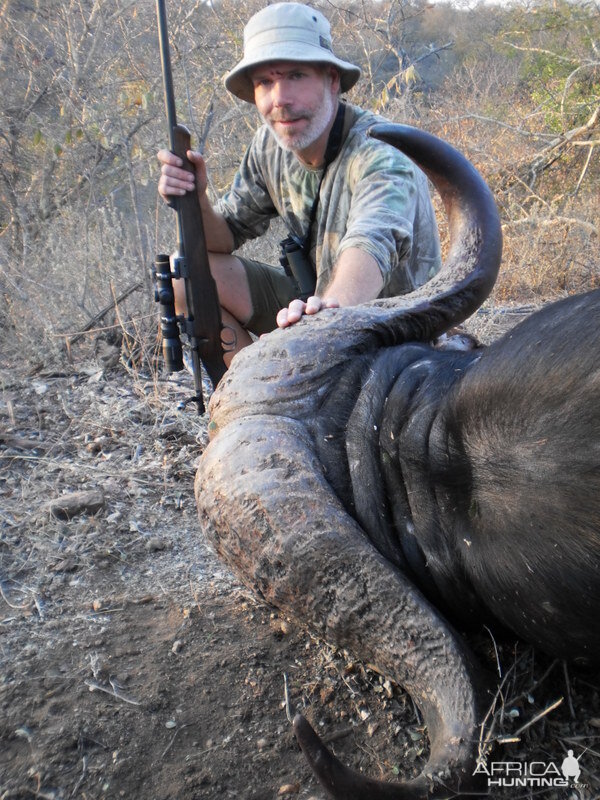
357	210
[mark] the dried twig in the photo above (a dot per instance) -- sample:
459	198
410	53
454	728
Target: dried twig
491	635
554	220
114	691
568	684
286	693
82	777
539	716
170	745
486	737
585	166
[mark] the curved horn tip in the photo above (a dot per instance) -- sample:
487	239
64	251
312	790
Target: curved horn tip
332	774
342	782
306	736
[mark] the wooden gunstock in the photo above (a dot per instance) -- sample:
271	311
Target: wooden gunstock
203	322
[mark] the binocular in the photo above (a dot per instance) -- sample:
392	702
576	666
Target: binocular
294	260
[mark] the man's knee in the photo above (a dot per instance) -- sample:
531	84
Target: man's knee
232	285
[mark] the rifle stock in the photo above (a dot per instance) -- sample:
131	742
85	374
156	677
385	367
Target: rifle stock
202	323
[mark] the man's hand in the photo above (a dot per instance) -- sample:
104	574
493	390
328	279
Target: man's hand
298	308
176	181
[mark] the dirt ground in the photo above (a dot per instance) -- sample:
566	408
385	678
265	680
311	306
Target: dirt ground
133	665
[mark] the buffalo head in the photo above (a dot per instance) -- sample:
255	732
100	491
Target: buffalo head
379	490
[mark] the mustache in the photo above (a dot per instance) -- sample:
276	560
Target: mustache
284	116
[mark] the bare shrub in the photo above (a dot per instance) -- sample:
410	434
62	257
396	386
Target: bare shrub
81	115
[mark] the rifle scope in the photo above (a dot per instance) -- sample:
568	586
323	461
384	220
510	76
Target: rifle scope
165	297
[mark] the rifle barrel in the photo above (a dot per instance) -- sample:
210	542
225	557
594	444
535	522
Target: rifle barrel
202	322
165	57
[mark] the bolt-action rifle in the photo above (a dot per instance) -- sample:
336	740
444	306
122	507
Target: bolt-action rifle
202	323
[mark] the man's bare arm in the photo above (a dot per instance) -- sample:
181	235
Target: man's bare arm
356	279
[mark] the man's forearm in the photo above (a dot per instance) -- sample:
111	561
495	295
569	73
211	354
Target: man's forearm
356	278
218	235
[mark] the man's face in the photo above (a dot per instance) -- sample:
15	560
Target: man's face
296	100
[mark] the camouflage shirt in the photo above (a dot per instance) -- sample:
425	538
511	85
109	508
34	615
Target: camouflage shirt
372	197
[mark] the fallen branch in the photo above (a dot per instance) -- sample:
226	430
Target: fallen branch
101	314
549	154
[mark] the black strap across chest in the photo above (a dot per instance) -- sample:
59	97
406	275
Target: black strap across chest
334	145
295	251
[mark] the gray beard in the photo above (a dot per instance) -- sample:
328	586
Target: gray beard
318	123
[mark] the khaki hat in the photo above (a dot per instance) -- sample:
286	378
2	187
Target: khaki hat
287	32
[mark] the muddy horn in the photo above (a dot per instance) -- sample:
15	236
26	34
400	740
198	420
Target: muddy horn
266	506
309	558
465	280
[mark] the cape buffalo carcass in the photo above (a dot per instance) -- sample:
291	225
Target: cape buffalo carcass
380	490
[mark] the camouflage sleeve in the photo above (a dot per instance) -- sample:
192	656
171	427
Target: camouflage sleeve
385	197
247	206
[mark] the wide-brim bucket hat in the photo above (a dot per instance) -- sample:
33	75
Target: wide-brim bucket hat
287	32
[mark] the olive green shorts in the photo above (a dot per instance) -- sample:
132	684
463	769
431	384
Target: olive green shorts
270	290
